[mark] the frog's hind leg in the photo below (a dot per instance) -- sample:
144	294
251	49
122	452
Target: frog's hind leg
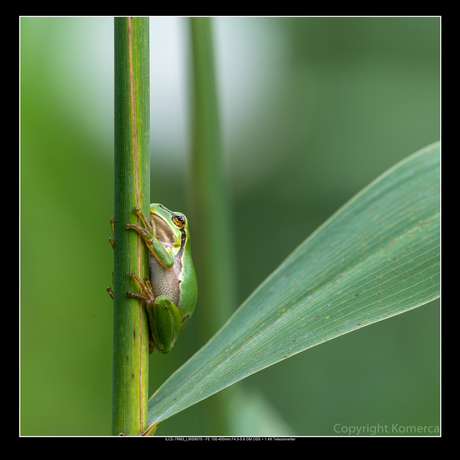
147	295
164	319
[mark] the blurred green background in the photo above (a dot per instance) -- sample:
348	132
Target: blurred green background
312	110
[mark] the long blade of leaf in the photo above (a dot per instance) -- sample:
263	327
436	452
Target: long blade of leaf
376	257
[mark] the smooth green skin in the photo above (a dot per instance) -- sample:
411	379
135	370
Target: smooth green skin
170	248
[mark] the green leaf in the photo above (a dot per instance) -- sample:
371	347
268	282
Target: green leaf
376	257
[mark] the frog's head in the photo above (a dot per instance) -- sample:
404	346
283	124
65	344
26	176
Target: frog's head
171	228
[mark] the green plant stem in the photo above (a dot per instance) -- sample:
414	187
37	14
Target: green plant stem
212	234
132	188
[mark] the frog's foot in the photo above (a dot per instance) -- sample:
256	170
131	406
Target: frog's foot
148	232
111	239
147	295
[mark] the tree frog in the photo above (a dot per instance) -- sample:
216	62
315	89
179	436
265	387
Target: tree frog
171	292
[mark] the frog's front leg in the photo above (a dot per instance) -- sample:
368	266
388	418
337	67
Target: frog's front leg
164	316
147	233
164	257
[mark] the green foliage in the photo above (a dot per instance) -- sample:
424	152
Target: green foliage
312	110
377	257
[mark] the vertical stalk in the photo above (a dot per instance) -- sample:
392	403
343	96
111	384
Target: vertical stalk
132	188
212	234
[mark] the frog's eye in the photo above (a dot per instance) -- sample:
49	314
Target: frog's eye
179	220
